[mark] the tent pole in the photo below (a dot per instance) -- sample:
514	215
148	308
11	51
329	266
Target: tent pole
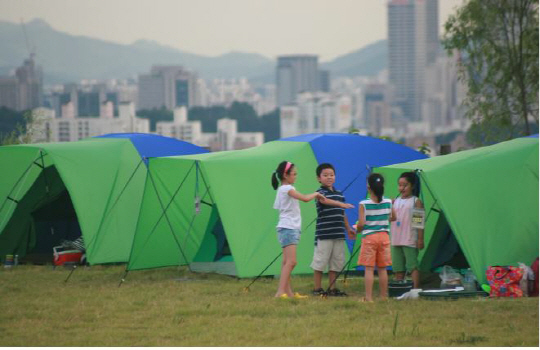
17	183
435	200
246	289
167	218
340	272
163	210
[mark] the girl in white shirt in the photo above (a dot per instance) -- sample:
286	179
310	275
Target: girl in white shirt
290	222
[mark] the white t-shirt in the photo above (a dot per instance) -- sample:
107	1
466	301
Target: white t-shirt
289	209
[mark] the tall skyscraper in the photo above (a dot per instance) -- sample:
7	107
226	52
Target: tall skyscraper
24	90
298	73
413	39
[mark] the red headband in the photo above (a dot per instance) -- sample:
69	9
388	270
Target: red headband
289	164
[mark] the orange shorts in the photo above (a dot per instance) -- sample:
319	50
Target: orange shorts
375	250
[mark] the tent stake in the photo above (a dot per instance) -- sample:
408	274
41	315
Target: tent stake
123	278
72	269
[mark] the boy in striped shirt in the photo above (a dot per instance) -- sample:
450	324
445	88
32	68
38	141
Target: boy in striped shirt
332	224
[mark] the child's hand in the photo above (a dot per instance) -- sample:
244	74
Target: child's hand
420	244
351	233
319	196
347	206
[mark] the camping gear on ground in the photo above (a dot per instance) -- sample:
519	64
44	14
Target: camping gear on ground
8	262
490	223
397	288
235	212
534	268
450	278
63	257
450	294
504	281
412	294
469	281
526	280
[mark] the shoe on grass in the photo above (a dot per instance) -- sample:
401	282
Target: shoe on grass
319	292
336	293
300	296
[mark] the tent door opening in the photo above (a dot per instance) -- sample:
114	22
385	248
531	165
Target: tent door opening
44	217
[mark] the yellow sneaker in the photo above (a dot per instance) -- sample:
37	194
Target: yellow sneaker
300	296
284	296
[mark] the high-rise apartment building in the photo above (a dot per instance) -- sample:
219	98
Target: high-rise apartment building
167	86
413	39
24	90
295	74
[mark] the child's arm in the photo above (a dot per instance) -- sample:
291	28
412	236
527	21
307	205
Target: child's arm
334	203
393	216
420	243
361	219
304	197
350	232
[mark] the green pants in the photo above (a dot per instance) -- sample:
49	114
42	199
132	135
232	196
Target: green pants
404	258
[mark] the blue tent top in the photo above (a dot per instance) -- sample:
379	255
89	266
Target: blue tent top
150	145
353	156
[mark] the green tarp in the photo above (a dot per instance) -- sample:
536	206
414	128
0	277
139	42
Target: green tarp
104	179
487	197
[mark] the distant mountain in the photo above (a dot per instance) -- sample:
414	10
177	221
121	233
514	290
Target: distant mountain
367	61
69	58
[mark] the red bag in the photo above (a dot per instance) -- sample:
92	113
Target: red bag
504	281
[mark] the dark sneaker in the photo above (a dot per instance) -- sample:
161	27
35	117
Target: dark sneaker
336	293
319	292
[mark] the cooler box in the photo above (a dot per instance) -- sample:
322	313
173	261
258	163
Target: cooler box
66	256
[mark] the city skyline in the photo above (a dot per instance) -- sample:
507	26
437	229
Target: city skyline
325	28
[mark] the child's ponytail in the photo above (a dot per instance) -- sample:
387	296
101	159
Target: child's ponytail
376	184
278	174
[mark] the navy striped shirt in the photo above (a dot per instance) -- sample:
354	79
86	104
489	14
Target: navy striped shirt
330	220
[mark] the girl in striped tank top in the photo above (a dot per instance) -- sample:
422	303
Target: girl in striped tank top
374	219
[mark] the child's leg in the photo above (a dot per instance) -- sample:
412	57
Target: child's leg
332	275
415	274
411	259
383	282
368	282
398	262
317	279
289	262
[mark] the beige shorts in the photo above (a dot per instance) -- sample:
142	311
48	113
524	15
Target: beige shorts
329	252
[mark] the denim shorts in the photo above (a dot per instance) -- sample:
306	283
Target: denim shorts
287	236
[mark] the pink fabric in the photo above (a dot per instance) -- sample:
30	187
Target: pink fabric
401	232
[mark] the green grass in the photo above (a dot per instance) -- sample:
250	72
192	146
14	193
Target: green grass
173	307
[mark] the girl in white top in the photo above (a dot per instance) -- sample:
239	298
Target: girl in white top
290	222
406	241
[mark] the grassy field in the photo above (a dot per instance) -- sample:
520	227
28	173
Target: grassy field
173	307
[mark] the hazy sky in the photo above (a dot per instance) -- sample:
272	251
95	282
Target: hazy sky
328	28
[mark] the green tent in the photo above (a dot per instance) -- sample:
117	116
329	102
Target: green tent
214	211
485	200
234	191
57	190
